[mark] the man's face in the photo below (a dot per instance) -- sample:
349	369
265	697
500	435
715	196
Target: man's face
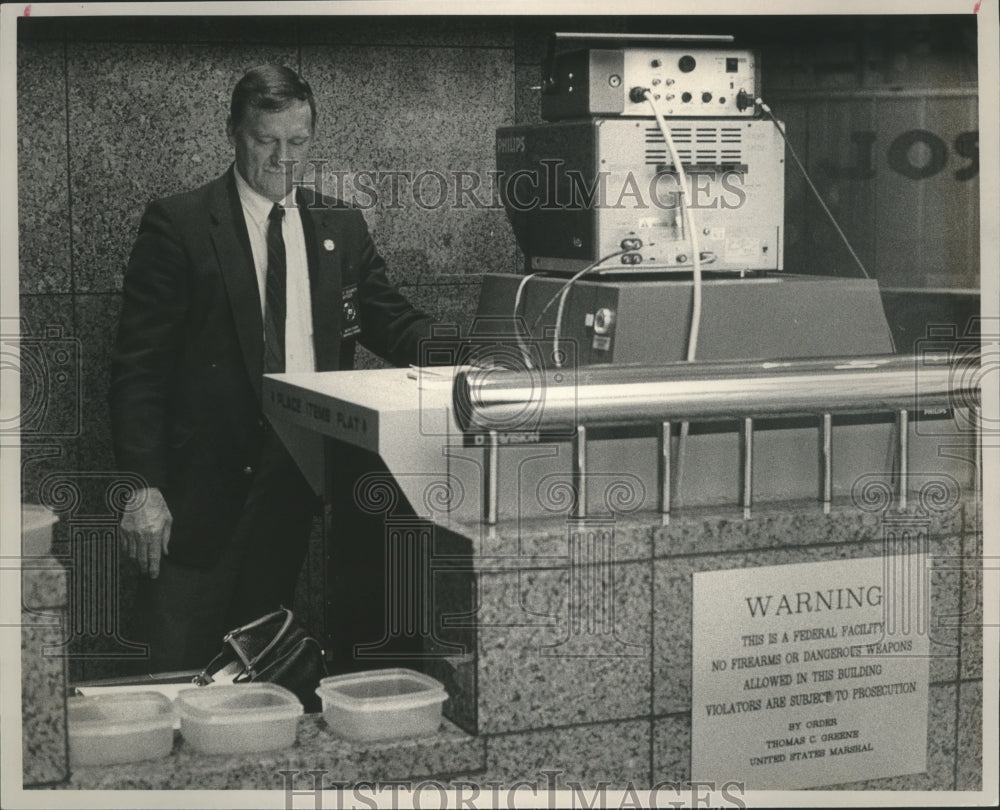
264	139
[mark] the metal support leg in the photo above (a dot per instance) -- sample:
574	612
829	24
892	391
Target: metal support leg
491	482
747	467
903	445
976	415
826	455
665	471
580	471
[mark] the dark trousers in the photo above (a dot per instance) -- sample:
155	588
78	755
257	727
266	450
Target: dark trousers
189	609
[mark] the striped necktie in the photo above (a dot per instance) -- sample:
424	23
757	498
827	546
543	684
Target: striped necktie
274	305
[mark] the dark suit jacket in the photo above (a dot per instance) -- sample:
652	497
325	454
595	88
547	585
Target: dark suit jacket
187	364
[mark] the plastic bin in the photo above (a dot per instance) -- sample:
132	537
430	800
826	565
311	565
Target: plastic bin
238	718
126	727
36	530
382	704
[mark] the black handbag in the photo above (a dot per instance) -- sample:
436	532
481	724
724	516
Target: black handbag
274	649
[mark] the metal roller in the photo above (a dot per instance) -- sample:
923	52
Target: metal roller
560	399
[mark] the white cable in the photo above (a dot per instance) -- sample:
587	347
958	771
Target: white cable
565	286
695	327
692	347
562	295
517	330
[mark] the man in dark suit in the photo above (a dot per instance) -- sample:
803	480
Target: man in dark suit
248	275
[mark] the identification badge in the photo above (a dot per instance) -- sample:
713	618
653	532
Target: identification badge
351	325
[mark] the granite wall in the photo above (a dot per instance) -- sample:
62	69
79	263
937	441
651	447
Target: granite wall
113	113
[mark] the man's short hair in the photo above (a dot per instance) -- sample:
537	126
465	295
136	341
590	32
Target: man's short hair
271	88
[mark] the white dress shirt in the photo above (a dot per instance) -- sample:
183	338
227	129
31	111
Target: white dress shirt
299	353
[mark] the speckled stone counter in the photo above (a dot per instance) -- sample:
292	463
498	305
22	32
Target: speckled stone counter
566	649
447	754
566	643
43	671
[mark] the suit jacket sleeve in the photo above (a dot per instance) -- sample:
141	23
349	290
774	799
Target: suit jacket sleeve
390	325
149	341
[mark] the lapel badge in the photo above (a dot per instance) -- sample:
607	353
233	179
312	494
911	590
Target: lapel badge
350	323
328	245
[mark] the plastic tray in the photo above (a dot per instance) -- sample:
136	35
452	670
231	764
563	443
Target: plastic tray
111	729
382	704
238	718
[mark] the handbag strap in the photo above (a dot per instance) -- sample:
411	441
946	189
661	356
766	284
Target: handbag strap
251	663
204	677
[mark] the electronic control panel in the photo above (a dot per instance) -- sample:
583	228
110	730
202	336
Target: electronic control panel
685	81
578	191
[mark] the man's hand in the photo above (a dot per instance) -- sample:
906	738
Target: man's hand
146	529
